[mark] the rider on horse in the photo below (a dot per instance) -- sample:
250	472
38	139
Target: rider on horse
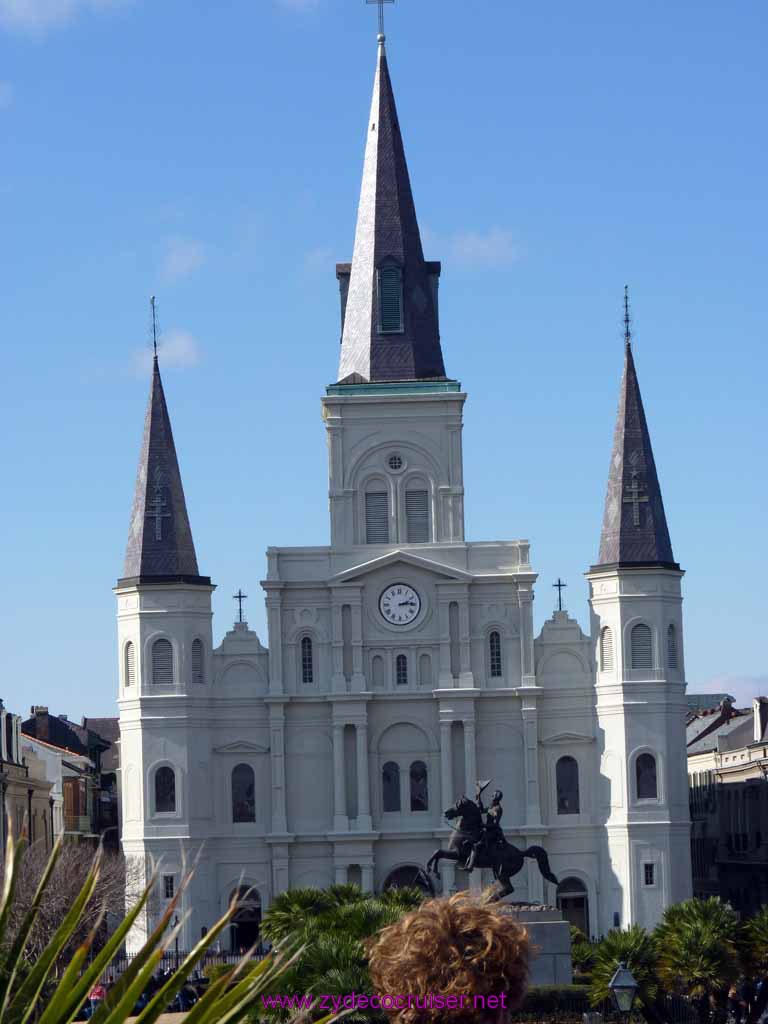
491	834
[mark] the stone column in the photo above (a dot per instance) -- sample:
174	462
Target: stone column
339	873
445	679
448	871
367	876
364	823
466	676
527	665
470	758
340	819
531	751
358	670
446	765
275	630
338	682
280	874
277	762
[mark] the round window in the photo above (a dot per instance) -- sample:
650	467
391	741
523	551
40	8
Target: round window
395	462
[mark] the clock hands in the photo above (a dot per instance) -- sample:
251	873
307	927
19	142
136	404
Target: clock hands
409	604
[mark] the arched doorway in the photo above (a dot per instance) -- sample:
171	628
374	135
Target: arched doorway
573	901
246	923
409	876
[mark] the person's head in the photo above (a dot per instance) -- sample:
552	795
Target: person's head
457	946
497	797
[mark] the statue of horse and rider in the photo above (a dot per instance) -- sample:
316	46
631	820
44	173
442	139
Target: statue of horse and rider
478	842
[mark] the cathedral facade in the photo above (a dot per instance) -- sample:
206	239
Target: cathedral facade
402	664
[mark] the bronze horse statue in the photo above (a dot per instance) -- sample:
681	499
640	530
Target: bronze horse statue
505	859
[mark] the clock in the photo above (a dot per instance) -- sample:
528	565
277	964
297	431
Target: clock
399	604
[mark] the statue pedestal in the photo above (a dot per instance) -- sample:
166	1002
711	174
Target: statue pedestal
550	936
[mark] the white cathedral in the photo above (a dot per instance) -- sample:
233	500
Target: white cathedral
402	663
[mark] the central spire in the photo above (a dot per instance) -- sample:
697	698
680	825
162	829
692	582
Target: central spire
389	293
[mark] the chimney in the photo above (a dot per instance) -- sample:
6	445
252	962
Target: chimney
40	711
759	717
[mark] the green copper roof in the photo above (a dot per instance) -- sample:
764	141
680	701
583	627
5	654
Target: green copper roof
405	387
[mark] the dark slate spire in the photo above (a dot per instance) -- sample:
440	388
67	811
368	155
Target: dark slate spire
160	547
388	236
635	529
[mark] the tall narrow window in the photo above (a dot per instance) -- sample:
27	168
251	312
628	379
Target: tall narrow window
130	664
162	663
494	650
419	787
390	784
390	299
642	647
197	662
425	670
567	773
377	517
307	666
672	647
401	670
243	793
606	649
646	777
165	790
417	516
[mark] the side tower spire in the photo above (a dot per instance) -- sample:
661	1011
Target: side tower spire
160	547
389	292
635	531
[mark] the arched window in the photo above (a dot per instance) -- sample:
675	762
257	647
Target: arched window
419	787
642	647
417	515
494	652
390	784
646	776
198	674
567	776
130	664
573	901
162	663
165	790
425	670
377	515
307	664
243	793
606	649
401	670
672	647
390	299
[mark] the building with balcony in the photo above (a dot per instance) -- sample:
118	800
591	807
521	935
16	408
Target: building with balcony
25	791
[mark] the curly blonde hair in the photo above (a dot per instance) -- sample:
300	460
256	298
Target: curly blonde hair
460	946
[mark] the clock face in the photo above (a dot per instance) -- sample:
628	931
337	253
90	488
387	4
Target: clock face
399	604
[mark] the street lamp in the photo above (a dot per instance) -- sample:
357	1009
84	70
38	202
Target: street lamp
175	924
623	988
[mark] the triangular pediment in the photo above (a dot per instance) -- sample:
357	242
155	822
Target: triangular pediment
563	739
402	558
241	747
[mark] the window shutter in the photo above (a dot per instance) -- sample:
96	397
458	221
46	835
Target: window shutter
391	300
130	664
197	661
417	516
642	647
672	647
162	663
377	517
606	650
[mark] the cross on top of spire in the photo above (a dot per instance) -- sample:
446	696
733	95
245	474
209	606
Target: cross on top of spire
627	321
380	4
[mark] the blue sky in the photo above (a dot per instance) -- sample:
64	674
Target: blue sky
211	154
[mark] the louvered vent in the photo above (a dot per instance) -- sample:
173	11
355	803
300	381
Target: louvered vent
197	662
642	647
606	650
377	517
391	300
130	664
672	648
162	663
417	516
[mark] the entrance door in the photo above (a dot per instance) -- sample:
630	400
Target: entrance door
247	920
572	899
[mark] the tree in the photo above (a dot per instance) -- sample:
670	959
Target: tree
331	926
638	950
698	953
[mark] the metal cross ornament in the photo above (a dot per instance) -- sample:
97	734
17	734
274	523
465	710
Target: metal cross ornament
559	587
381	11
157	504
240	597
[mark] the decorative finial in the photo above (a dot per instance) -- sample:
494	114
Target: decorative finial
559	587
627	321
240	597
381	3
154	324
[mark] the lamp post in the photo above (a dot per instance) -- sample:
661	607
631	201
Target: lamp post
623	988
175	924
